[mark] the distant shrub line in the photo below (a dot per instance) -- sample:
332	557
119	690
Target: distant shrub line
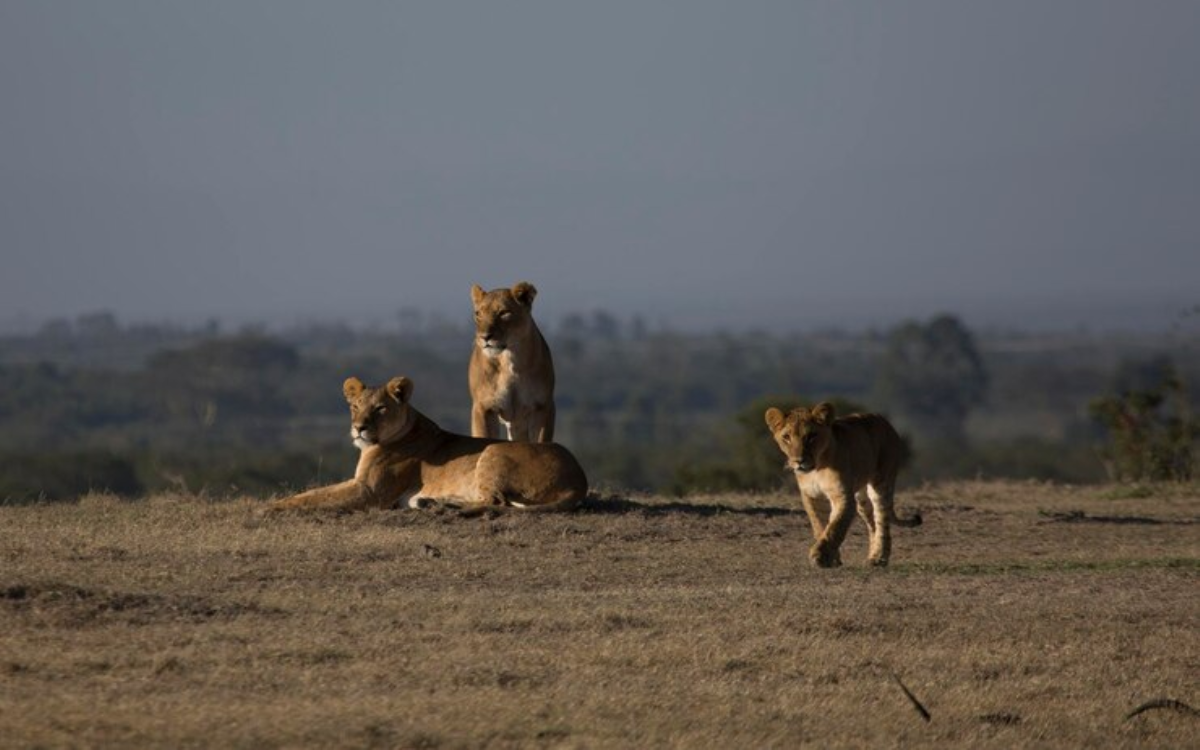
95	406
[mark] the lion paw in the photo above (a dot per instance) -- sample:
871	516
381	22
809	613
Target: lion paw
824	557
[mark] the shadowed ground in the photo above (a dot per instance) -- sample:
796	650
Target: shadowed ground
1018	615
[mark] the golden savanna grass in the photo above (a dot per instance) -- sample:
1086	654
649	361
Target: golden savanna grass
1019	615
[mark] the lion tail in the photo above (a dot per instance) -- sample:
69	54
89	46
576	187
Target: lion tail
914	520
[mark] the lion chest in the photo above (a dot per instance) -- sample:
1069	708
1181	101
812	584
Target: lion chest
511	394
810	484
822	483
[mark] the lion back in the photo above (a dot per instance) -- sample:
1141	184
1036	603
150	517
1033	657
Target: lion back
873	448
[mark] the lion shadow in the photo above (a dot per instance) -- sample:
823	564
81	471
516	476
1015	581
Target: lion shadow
597	504
1078	516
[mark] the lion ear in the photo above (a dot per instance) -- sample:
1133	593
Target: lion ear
476	293
524	292
352	388
774	418
823	412
400	388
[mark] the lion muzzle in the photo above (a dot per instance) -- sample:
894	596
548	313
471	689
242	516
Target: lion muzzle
361	438
492	347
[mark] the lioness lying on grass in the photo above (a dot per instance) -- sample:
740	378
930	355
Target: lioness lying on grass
836	459
409	461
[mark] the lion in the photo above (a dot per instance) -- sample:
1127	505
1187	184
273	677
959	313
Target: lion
408	461
836	459
511	373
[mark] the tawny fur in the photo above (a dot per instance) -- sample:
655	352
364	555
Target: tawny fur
511	373
839	460
408	461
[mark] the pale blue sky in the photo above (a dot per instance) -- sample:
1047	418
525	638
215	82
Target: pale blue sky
704	163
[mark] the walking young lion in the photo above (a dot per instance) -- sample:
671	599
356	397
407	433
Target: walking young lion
837	459
407	460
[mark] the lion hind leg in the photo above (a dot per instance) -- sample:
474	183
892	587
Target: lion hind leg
423	502
565	501
866	510
500	481
881	534
561	501
558	500
548	499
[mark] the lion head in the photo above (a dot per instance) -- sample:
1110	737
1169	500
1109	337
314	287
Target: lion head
804	435
502	316
378	415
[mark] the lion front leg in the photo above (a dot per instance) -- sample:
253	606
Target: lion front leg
484	422
826	552
541	426
349	495
520	429
810	509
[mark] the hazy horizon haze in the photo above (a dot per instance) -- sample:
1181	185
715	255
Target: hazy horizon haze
705	164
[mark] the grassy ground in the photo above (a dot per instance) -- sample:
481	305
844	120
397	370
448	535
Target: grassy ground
1019	615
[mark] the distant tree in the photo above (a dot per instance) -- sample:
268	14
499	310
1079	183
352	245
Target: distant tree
26	477
1148	423
97	325
236	378
931	376
1144	374
56	329
411	320
605	326
573	325
638	330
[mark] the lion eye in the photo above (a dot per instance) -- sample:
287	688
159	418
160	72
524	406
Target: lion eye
380	409
787	438
505	315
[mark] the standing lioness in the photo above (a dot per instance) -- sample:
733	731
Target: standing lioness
511	373
407	460
835	459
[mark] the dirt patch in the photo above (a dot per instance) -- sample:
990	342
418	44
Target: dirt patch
74	606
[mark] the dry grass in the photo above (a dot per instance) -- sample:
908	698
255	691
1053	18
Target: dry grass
1019	615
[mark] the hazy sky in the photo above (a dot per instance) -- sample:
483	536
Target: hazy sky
735	163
